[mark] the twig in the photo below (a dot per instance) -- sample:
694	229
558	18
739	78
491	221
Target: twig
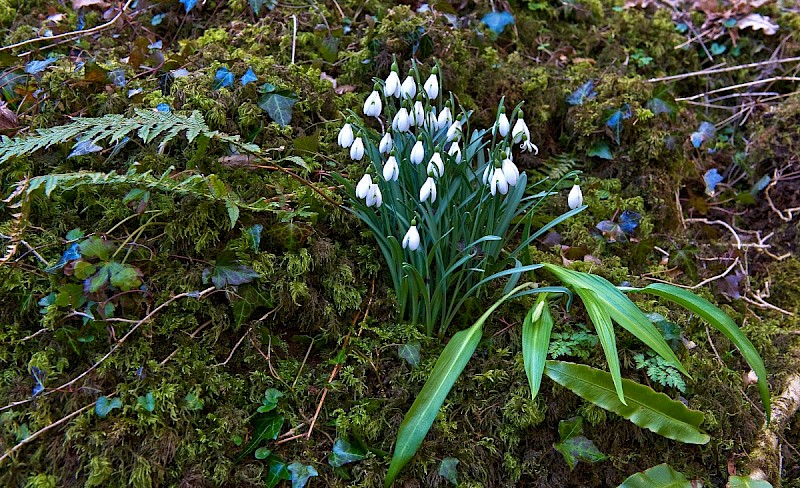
294	36
740	85
722	223
192	335
27	338
784	407
41	431
303	364
234	349
711	71
79	33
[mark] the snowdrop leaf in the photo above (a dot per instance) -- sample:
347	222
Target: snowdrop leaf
661	476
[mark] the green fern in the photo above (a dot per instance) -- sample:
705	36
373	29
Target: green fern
660	371
146	124
207	187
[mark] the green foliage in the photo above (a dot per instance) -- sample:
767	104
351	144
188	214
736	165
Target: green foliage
576	343
661	476
574	446
660	371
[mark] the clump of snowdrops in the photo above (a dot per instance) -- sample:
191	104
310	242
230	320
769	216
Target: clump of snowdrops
442	197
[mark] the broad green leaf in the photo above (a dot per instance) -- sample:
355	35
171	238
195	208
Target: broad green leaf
105	405
344	453
574	446
233	211
301	473
123	276
249	298
265	427
84	269
446	371
278	106
227	271
147	402
605	332
96	247
409	352
720	321
270	400
448	471
536	330
277	473
661	476
646	408
746	482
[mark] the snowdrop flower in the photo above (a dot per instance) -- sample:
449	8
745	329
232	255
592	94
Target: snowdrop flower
346	136
445	118
392	86
390	170
454	132
435	165
432	123
386	144
503	125
510	172
357	149
575	198
401	121
522	136
411	239
409	87
374	197
488	173
498	183
428	190
419	114
417	153
455	151
373	105
364	186
432	87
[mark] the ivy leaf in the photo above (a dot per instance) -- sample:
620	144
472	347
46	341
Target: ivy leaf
36	67
277	473
250	299
712	178
104	406
705	132
279	106
344	453
629	220
583	93
447	469
265	427
301	473
253	236
270	400
614	121
249	76
193	402
257	4
262	453
227	271
498	21
222	79
600	150
71	254
147	402
188	4
409	352
662	102
574	446
717	49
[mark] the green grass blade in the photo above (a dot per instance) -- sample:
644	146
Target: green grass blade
646	407
720	321
446	371
605	332
535	341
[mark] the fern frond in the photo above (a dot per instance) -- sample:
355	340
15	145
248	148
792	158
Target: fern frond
21	207
146	124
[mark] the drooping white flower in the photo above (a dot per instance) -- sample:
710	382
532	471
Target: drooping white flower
445	118
455	151
503	125
417	153
357	149
409	87
346	136
498	183
575	198
431	122
510	172
432	87
374	196
401	121
390	170
373	105
435	165
454	132
522	136
428	190
419	114
392	86
411	239
386	144
363	186
488	173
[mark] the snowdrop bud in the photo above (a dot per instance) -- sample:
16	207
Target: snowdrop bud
363	186
390	170
417	153
419	114
510	172
357	149
401	121
346	136
575	198
435	165
409	87
374	197
373	105
432	87
445	118
503	125
386	144
411	239
455	151
454	132
428	190
392	86
498	183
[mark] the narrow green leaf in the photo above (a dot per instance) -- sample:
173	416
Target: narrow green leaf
605	332
536	330
646	408
661	476
720	321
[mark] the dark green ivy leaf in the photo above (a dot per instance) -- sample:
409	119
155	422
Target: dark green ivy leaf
279	106
265	427
277	473
344	453
574	446
301	473
447	469
105	405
